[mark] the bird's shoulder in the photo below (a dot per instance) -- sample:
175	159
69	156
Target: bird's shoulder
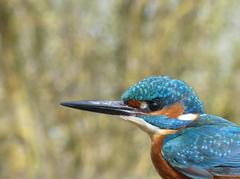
206	126
206	144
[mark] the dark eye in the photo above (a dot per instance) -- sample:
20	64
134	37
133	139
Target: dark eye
155	105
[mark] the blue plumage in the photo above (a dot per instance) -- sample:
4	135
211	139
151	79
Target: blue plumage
166	89
210	144
163	121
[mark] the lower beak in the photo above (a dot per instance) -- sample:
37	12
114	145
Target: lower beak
106	107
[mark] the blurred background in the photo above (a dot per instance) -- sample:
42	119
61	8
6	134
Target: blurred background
58	50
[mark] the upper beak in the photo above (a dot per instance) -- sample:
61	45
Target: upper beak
106	107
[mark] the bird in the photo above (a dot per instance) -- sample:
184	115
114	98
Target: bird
186	142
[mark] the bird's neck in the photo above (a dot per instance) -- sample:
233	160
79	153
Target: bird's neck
161	165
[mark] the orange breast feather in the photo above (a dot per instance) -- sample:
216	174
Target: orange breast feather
163	168
172	111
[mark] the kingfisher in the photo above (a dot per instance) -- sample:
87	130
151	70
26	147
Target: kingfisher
186	142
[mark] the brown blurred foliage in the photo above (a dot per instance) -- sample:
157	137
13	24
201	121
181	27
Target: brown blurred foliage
56	50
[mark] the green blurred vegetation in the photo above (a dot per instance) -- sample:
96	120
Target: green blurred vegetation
56	50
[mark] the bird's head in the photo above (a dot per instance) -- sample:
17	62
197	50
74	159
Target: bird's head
154	104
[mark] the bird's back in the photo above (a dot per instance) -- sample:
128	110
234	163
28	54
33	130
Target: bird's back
206	148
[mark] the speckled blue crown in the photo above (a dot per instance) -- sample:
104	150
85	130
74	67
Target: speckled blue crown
168	90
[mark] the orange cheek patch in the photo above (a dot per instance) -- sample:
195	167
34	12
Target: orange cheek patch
172	111
134	103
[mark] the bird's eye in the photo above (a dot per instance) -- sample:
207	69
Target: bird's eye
146	106
155	105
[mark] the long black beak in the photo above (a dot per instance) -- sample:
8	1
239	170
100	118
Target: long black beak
106	107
